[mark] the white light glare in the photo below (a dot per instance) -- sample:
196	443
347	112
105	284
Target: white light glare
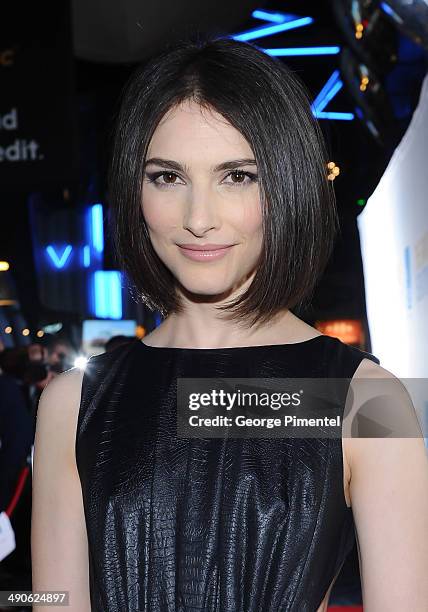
80	362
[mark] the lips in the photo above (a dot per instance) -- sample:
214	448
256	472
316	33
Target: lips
204	247
206	252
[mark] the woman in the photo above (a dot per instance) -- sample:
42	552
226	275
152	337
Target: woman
224	220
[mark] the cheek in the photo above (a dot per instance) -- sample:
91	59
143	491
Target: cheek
158	215
248	218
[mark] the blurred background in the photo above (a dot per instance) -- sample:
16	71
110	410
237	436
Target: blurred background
62	297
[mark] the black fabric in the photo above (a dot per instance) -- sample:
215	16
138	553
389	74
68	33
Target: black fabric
213	525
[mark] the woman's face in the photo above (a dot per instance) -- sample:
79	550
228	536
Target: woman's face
190	200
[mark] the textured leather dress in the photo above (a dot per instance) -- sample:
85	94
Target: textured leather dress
207	525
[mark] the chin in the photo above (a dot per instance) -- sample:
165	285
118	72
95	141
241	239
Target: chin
207	286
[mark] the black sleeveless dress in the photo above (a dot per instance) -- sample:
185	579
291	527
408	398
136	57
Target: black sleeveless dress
207	525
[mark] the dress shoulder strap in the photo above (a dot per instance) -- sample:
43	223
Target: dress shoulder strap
346	360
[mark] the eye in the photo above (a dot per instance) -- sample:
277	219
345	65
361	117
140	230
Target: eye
170	178
241	174
153	176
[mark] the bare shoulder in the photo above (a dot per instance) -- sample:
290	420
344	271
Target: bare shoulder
68	381
59	548
379	405
58	411
388	491
65	388
379	415
369	369
378	412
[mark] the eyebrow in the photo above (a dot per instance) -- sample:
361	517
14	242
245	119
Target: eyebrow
173	165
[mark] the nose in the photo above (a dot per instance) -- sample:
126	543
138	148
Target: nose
201	214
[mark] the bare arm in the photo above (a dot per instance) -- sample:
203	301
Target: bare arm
389	497
58	531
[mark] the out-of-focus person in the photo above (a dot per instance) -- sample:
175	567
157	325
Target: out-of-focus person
116	341
16	435
58	352
16	439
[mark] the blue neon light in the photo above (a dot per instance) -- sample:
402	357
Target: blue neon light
268	30
108	294
115	295
329	96
390	11
100	295
97	227
281	22
334	116
295	51
86	256
331	82
327	93
59	261
273	17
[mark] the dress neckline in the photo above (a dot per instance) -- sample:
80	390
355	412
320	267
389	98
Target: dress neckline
232	348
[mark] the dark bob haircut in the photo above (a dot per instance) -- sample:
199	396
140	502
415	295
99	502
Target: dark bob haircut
270	106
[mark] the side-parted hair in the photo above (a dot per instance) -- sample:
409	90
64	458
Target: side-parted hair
270	106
